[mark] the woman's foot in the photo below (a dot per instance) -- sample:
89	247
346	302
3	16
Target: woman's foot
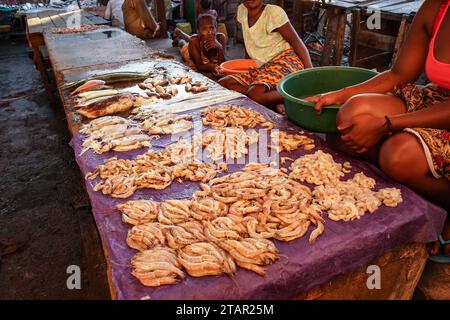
280	109
434	248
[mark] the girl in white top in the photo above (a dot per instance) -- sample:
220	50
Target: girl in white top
273	43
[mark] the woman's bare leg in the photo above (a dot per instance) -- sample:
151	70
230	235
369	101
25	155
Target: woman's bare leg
376	104
396	157
397	153
232	84
263	95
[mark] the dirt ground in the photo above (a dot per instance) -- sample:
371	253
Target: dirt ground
41	192
42	199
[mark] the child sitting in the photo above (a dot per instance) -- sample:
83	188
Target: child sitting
204	51
273	43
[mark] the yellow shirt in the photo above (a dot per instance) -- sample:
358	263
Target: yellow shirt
261	41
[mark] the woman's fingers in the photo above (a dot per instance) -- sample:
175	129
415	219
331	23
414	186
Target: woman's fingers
312	99
344	126
362	150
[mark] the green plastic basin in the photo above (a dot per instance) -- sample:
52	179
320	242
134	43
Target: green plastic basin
314	81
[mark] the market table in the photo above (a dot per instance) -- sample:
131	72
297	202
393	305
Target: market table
333	267
38	22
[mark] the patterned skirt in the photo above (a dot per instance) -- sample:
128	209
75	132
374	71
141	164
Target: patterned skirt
435	142
270	73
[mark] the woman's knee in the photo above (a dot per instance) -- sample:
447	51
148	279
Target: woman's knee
402	158
354	106
256	93
227	82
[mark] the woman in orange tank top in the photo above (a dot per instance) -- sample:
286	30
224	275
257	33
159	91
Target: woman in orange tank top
405	128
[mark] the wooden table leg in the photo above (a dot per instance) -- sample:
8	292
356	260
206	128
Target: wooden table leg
38	61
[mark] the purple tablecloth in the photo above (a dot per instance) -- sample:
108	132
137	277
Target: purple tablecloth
343	248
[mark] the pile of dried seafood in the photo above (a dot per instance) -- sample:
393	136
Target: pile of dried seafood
234	116
105	102
196	87
161	122
228	143
154	170
230	220
83	28
283	141
113	133
342	200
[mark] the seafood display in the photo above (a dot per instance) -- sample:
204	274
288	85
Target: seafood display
205	259
228	143
180	79
317	168
196	87
283	141
162	92
113	133
183	234
230	221
114	104
251	253
83	28
145	236
235	219
139	211
161	122
118	76
154	170
156	267
89	85
234	116
153	82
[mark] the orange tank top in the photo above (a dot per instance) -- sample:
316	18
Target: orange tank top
437	71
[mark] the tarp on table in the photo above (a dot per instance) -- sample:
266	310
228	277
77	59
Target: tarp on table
342	248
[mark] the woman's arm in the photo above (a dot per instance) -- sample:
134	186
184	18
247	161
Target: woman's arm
436	116
223	42
194	52
410	62
366	130
290	35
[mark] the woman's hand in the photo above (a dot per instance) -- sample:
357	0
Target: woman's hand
212	44
217	71
326	99
362	132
